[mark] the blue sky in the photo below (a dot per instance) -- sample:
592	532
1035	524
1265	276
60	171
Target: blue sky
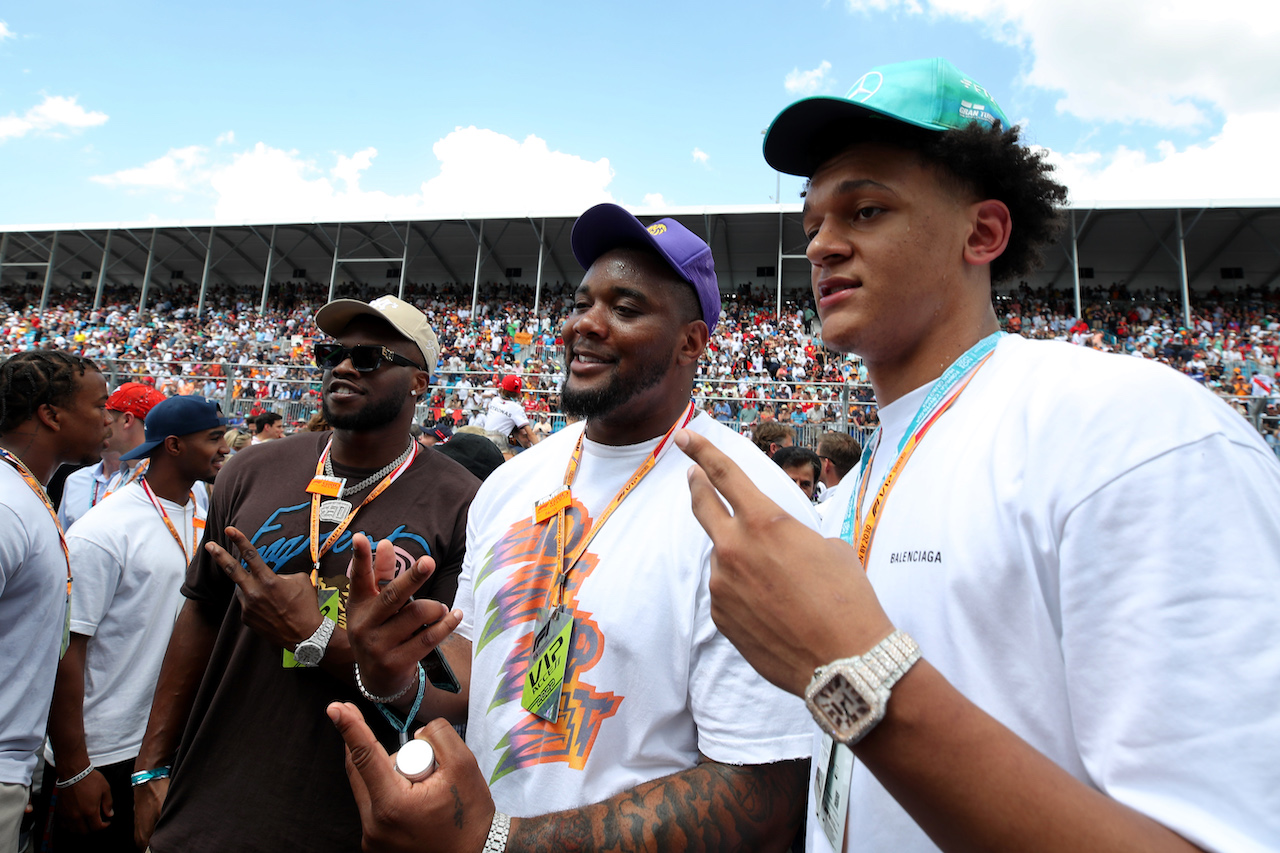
237	112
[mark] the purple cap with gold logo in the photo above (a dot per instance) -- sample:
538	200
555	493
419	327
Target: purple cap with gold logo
606	227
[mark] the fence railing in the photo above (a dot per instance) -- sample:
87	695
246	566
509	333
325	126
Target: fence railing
294	392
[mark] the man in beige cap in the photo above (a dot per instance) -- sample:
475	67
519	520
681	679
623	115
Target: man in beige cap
261	645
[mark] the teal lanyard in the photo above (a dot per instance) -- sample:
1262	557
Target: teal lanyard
937	396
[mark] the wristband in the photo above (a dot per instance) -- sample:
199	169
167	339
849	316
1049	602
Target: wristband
403	728
142	777
498	832
67	783
387	700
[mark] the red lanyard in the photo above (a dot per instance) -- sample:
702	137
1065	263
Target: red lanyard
571	472
30	479
318	550
173	531
121	479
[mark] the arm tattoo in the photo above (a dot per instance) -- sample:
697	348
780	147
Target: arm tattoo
709	807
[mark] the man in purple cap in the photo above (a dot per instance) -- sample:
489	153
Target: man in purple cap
606	709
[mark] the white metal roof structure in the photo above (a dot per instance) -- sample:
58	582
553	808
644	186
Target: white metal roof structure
1196	246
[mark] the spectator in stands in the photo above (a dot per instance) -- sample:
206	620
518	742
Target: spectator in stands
267	427
839	452
769	436
506	415
53	411
803	467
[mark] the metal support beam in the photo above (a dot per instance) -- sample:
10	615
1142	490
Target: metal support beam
4	249
266	274
48	275
146	275
204	273
475	284
1075	266
431	246
102	271
404	260
1182	271
333	270
777	271
537	281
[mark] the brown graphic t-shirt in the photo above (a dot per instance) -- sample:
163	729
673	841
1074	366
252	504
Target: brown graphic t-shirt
260	765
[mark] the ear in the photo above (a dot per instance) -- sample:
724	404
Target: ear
126	419
990	228
694	343
47	415
173	445
421	382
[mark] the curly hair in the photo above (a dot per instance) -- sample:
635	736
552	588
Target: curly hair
33	379
988	162
771	432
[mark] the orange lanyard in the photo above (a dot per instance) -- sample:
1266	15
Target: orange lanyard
571	472
173	531
318	550
866	528
30	479
121	479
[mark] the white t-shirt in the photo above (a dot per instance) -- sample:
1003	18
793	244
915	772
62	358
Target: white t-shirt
128	578
504	416
652	682
33	594
86	486
1088	547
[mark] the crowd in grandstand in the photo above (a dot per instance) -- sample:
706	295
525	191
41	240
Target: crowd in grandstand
759	366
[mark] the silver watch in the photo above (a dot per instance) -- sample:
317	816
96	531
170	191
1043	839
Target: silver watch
311	650
847	697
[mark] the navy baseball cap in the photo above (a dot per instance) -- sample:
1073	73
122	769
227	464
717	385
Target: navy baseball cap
177	416
606	227
931	94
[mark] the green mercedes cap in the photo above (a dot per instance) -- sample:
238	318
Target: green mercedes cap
927	93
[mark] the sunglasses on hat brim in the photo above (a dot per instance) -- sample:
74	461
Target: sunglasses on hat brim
364	357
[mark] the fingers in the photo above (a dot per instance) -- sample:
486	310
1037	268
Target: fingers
236	570
722	471
369	767
399	591
362	583
708	507
450	749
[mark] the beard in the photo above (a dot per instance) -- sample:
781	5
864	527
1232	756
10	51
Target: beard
599	402
376	412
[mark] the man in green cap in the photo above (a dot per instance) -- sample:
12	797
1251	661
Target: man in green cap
1077	645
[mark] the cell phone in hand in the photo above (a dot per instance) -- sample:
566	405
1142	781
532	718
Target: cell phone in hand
439	672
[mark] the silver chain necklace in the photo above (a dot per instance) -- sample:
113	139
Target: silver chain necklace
368	481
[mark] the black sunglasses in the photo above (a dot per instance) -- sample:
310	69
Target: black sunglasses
364	357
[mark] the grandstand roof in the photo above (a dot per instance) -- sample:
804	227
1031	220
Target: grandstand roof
1226	244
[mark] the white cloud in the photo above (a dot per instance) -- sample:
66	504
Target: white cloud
810	82
654	200
1225	167
5	32
1160	62
53	115
176	171
700	156
226	138
481	172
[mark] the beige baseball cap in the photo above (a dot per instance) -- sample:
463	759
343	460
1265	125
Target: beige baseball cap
334	317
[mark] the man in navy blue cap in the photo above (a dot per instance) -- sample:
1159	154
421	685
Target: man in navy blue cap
606	711
130	553
1028	630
